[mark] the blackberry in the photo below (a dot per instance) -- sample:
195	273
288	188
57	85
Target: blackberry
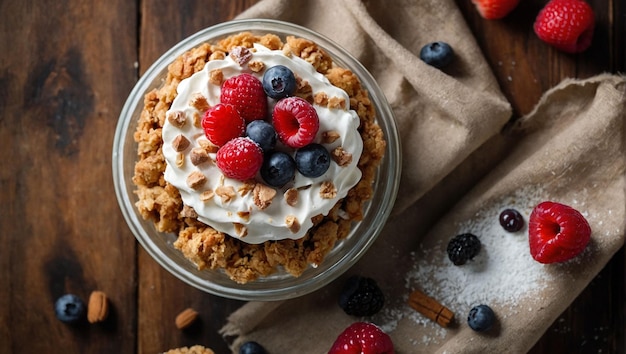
481	318
511	220
361	296
462	248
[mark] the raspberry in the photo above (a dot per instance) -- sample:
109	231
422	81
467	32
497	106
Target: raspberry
240	158
462	248
296	122
557	232
245	92
222	123
361	296
566	24
511	220
362	337
494	9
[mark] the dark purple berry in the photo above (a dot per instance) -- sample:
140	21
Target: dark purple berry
252	347
481	318
312	160
511	220
361	296
437	54
69	308
279	82
262	133
278	168
462	248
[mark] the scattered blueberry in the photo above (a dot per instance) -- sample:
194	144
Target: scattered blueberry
462	248
481	318
262	133
278	168
437	54
511	220
252	347
312	160
279	82
361	296
69	308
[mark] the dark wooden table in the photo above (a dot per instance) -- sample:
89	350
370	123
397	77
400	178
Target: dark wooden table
65	70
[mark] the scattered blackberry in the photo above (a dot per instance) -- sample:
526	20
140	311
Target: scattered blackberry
462	248
511	220
361	296
481	318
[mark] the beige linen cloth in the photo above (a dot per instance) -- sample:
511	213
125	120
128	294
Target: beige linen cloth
456	151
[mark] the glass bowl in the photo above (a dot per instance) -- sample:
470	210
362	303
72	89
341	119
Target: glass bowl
280	285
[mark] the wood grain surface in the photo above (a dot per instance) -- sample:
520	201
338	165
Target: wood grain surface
66	68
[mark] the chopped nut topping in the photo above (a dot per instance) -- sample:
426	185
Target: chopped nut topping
177	119
198	156
216	77
180	143
336	102
287	51
330	136
199	102
321	98
341	156
217	55
227	193
246	188
328	190
180	160
256	66
240	229
292	223
207	195
304	89
244	215
188	212
291	196
208	146
241	55
263	195
196	179
196	120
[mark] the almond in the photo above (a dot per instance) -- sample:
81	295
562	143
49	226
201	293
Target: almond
186	318
98	307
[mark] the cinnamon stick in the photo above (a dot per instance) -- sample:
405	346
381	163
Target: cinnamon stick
430	308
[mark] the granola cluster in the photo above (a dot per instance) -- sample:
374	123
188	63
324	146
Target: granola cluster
209	249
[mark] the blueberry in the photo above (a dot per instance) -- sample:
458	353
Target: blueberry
279	82
262	133
252	347
511	220
69	308
312	160
462	248
278	168
481	318
437	54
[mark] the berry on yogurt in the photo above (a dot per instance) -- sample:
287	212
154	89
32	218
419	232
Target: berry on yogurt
278	168
279	82
295	121
312	160
262	133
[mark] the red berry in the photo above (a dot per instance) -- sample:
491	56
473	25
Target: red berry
245	92
494	9
222	123
362	338
566	24
296	122
240	158
557	232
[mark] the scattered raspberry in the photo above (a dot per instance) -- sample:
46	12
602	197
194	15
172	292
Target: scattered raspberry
557	232
566	24
361	296
240	158
362	338
463	248
296	122
222	123
245	92
494	9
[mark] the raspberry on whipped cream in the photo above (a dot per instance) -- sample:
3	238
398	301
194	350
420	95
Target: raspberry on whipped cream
243	215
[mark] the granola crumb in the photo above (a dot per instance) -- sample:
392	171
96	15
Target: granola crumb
227	193
196	179
263	195
216	77
341	156
177	119
292	223
180	143
256	66
330	136
328	190
199	102
291	196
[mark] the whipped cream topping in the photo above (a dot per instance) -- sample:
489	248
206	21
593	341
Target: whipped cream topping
229	205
